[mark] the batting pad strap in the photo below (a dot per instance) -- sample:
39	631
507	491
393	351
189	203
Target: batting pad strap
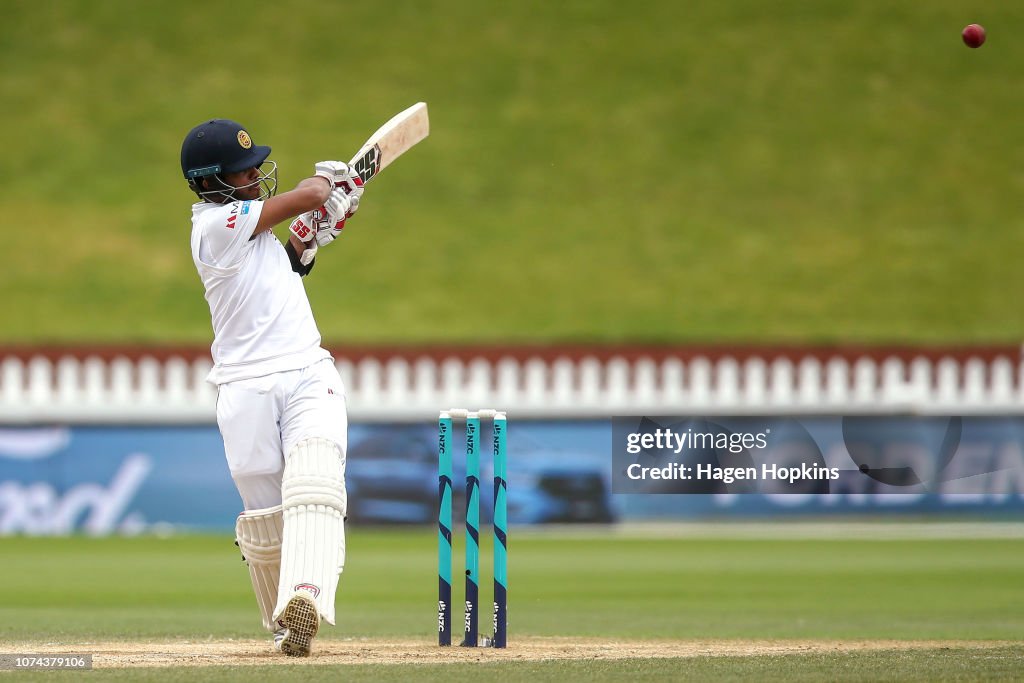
315	491
259	534
314	502
315	475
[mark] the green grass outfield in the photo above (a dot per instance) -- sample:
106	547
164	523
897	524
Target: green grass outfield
964	593
794	170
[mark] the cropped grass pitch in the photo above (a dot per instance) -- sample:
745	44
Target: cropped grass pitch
793	170
565	585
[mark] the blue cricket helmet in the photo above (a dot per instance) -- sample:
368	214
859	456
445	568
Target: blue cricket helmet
219	146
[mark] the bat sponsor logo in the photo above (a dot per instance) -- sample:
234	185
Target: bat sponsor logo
369	164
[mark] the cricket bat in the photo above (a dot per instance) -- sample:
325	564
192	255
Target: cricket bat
391	141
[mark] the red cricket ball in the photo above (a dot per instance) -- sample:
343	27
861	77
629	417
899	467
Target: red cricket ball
974	35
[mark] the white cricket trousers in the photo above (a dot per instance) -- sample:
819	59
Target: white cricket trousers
261	420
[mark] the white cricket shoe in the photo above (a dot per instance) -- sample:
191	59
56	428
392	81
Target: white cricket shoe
301	622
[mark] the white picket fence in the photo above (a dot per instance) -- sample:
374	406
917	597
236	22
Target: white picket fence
90	389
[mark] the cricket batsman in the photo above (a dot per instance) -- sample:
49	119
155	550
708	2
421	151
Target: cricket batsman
280	402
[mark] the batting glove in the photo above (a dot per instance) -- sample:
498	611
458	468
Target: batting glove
336	172
353	186
330	218
304	227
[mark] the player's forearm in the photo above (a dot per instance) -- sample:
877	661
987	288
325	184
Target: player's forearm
309	194
318	188
295	249
297	244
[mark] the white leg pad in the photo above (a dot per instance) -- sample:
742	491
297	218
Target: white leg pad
259	534
314	501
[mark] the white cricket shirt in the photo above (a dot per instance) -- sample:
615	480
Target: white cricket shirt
262	322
